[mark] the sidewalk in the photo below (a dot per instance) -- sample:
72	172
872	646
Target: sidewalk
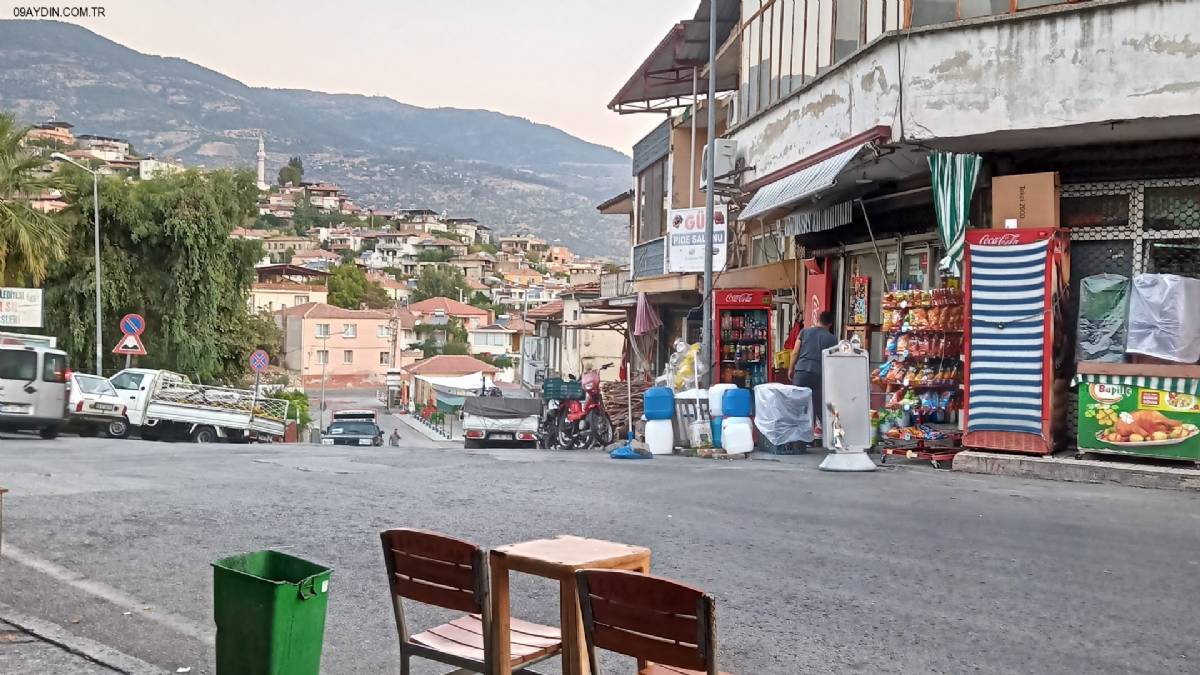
1065	467
426	431
29	645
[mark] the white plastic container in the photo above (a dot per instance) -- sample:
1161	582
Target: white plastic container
660	437
715	393
737	435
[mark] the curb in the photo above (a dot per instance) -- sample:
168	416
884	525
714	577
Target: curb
1078	470
88	649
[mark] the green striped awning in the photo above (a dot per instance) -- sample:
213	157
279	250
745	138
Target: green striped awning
1179	385
953	185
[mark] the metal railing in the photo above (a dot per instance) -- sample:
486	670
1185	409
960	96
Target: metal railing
235	400
615	284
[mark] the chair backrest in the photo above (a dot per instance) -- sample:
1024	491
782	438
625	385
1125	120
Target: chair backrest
648	618
435	569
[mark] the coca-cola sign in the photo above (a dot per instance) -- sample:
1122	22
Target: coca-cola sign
1006	239
739	298
749	297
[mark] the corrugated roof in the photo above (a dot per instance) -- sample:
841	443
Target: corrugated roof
549	310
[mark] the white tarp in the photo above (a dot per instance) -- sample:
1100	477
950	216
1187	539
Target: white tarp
20	307
783	413
460	383
1163	321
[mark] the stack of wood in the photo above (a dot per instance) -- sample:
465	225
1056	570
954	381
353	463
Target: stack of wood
616	405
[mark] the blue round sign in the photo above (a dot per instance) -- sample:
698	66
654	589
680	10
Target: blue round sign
133	324
259	361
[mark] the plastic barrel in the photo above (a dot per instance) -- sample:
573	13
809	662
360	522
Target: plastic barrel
269	608
660	437
737	435
659	403
715	393
736	403
716	431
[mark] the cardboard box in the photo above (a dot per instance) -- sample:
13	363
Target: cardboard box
1029	199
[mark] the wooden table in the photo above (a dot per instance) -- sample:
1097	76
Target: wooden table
557	559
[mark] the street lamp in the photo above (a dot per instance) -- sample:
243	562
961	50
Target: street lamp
96	210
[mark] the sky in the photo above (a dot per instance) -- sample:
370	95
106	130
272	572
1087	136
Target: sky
558	62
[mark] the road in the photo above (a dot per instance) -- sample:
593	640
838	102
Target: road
907	570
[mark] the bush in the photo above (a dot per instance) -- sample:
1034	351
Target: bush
299	401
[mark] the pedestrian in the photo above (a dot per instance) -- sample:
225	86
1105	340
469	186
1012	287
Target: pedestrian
806	362
395	437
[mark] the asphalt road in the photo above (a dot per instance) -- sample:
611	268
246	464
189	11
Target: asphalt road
905	570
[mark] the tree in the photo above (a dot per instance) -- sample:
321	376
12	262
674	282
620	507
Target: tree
167	255
268	221
350	288
434	255
484	248
611	268
440	282
292	172
498	360
30	241
299	406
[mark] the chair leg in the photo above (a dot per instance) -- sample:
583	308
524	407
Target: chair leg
404	664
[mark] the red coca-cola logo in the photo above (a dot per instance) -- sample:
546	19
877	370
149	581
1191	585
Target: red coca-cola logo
1007	239
739	298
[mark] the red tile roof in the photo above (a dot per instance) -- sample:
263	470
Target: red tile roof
549	310
319	310
450	307
450	364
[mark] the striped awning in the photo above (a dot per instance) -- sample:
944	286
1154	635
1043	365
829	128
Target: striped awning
953	183
1008	321
804	184
1178	385
807	221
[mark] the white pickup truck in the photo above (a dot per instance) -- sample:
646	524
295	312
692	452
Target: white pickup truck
495	418
165	405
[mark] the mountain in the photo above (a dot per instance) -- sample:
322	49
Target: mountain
508	172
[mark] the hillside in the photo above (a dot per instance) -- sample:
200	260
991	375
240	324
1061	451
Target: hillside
506	171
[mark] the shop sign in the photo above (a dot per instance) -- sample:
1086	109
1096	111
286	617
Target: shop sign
746	297
686	249
21	307
1123	419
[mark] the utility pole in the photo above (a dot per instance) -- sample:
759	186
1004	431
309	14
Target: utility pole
709	205
324	362
96	234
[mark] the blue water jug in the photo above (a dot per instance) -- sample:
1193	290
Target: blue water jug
660	403
736	403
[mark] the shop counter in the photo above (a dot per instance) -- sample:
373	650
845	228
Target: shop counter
1147	410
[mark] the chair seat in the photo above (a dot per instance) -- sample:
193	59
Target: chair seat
656	669
463	637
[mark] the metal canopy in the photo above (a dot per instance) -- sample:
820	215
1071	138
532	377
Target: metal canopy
807	183
664	80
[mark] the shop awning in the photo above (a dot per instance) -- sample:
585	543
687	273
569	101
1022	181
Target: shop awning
807	221
807	183
953	179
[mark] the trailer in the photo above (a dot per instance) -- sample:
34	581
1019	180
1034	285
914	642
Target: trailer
165	406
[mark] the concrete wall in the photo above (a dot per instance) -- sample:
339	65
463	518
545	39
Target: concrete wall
1058	67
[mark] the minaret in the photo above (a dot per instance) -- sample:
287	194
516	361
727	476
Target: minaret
262	165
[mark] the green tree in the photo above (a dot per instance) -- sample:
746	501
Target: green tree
434	255
498	360
292	172
268	221
166	254
30	241
350	288
484	248
299	405
440	282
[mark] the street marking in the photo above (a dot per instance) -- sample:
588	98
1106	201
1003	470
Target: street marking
109	594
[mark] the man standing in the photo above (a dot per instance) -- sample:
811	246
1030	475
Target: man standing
806	361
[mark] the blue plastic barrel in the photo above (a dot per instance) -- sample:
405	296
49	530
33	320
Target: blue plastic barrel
660	403
736	403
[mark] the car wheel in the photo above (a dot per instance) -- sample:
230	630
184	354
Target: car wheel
204	435
117	429
49	433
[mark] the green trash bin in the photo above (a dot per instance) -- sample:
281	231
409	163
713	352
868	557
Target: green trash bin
269	608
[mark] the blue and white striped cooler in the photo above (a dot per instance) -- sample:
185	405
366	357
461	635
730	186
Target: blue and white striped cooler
1007	351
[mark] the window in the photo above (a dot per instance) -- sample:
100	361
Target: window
928	12
124	381
385	359
349	330
54	368
490	339
322	330
347	356
18	365
652	187
383	331
766	248
848	28
299	299
322	357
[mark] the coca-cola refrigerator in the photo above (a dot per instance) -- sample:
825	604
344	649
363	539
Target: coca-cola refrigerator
742	322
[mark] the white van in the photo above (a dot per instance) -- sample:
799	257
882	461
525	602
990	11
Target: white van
33	389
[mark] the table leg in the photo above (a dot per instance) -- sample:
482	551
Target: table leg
643	568
500	619
574	653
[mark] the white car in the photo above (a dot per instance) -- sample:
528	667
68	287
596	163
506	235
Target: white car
93	404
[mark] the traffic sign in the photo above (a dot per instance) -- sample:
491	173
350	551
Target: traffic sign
133	324
259	361
130	345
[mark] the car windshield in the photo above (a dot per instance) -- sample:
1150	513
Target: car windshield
90	384
128	381
352	428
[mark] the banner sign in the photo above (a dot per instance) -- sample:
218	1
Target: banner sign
20	307
685	239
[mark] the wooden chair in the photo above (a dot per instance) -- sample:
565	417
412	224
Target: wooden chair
668	627
450	573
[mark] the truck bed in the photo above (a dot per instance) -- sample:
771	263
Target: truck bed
218	407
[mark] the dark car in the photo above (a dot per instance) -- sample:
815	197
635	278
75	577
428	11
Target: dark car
352	432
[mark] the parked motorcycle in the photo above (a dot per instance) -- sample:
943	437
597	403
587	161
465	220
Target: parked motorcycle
584	423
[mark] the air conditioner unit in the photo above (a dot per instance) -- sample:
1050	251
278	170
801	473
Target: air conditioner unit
725	161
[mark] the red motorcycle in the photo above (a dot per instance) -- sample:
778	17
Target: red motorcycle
583	423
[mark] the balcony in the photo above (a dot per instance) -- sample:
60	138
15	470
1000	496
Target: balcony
649	259
615	284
